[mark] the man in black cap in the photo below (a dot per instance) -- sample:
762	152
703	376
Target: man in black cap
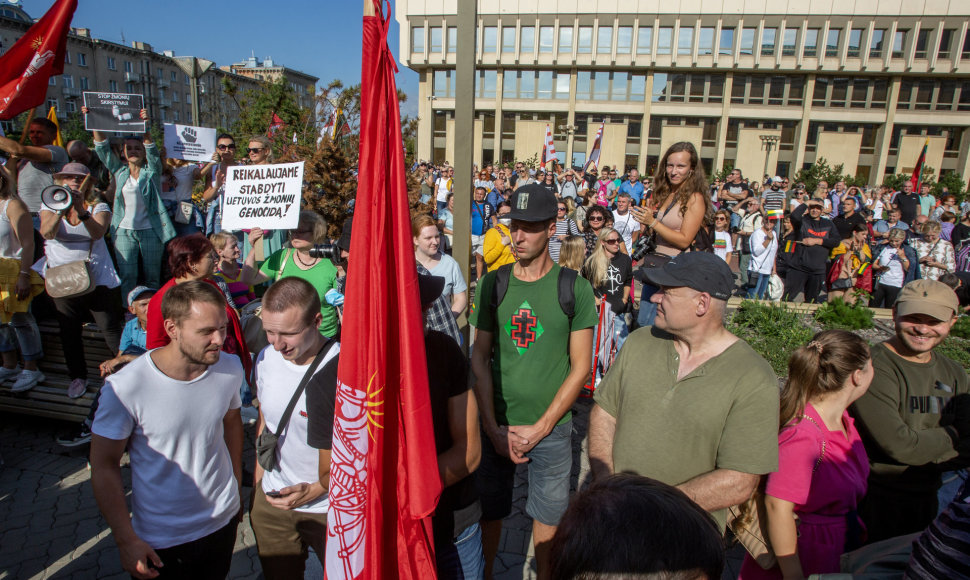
532	353
687	402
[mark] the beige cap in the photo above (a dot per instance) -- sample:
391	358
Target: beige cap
928	297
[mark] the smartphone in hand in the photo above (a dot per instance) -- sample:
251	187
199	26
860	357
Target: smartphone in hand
273	493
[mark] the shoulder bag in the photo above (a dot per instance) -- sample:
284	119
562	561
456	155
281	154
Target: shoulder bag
70	280
268	441
754	535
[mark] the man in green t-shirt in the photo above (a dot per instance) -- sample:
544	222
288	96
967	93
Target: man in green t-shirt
687	402
915	417
530	361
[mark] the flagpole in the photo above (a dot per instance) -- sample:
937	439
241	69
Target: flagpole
369	8
30	117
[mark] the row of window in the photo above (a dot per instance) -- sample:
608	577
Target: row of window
70	106
84	84
112	64
624	40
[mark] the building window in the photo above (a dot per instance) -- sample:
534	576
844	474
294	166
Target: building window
186	79
832	44
964	104
875	43
796	91
922	41
452	39
855	43
52	81
604	40
860	94
435	39
747	40
67	57
508	39
68	81
175	96
726	45
685	41
945	96
601	85
705	41
880	88
176	114
417	39
638	88
899	40
188	98
966	46
788	42
811	43
659	89
624	40
546	40
175	77
645	39
584	85
585	45
490	37
52	103
924	95
485	83
566	39
161	73
111	63
768	41
84	83
946	41
71	106
444	83
113	86
82	59
665	39
527	39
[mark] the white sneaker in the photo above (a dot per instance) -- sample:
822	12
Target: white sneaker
27	380
77	388
7	374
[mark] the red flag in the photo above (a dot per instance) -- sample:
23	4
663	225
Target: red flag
384	481
37	56
274	125
594	154
548	148
918	170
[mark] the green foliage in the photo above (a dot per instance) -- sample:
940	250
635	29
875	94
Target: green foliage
722	173
256	108
839	314
954	184
72	129
962	327
821	170
532	162
773	331
957	349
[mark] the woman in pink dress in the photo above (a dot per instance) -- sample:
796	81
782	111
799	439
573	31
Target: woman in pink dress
822	466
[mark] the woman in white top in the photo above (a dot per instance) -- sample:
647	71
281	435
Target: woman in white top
72	235
891	266
427	241
17	286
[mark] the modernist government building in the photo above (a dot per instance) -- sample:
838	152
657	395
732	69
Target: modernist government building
859	82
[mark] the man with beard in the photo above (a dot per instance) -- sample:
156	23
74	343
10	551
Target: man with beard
915	416
176	411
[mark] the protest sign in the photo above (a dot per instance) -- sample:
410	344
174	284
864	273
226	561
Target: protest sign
119	112
189	143
263	196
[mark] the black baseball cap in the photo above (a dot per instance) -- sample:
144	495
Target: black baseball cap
533	203
701	271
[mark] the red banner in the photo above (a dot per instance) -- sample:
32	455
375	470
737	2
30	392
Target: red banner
918	170
384	481
37	56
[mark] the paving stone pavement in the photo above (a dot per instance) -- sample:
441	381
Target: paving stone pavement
50	526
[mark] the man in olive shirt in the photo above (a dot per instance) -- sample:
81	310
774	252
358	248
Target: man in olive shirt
530	360
914	418
687	402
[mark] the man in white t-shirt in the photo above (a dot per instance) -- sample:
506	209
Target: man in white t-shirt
290	501
176	411
624	222
444	185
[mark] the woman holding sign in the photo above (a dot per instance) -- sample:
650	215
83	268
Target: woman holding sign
140	225
260	152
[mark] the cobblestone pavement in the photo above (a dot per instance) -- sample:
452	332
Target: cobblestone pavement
50	526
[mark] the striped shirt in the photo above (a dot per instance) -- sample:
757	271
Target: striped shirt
943	550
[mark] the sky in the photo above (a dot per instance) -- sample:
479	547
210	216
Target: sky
319	37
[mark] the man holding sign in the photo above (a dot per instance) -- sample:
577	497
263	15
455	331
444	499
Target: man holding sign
140	225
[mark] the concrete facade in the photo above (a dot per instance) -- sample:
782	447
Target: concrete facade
881	70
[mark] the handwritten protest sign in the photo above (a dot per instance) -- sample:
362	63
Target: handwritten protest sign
263	196
189	143
114	112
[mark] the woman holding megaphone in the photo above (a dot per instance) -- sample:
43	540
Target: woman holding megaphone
75	233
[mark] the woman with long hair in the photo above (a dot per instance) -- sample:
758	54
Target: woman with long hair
679	208
851	267
811	500
610	272
596	218
573	253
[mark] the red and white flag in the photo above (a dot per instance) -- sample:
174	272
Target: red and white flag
384	482
275	125
37	56
548	148
594	156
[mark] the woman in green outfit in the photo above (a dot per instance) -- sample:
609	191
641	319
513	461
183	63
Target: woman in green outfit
296	261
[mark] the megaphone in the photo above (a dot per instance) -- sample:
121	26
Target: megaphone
56	198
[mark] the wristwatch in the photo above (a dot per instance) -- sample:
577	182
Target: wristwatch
84	216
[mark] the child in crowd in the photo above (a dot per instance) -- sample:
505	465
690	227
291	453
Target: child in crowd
723	248
238	277
133	337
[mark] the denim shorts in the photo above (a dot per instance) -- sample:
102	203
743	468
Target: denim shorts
550	464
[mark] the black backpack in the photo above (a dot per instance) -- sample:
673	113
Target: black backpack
566	282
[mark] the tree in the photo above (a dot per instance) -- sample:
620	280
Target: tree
328	181
820	170
954	184
73	129
723	173
256	109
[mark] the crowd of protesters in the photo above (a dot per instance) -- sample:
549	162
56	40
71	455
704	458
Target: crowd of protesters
854	448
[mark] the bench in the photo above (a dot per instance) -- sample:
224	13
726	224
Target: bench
49	397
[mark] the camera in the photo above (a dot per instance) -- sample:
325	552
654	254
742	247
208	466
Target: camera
325	251
644	246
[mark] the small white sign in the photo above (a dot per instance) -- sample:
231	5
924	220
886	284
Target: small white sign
189	143
263	196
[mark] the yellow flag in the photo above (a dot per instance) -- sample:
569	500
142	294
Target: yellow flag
52	117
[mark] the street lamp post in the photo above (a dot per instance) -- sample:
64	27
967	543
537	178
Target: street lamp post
768	143
569	130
